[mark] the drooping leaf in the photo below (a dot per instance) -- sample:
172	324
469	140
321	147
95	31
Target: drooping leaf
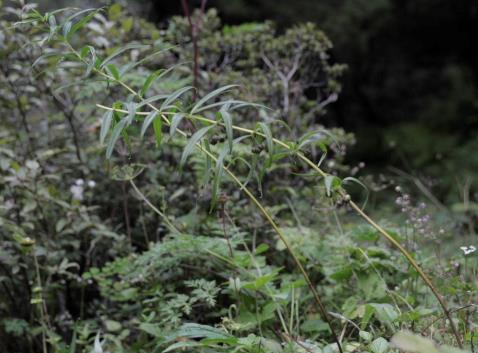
356	181
121	51
209	96
226	118
81	23
113	71
149	119
154	76
175	121
175	95
105	125
269	141
331	183
158	133
198	135
118	129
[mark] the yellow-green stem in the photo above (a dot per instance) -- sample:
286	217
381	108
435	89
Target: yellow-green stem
384	233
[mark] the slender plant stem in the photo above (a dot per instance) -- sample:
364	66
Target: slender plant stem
356	208
254	200
313	165
154	208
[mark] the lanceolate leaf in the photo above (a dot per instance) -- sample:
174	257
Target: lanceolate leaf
154	76
113	71
270	143
198	135
226	117
175	121
149	119
209	96
105	125
158	133
356	181
175	95
331	182
81	23
122	50
115	136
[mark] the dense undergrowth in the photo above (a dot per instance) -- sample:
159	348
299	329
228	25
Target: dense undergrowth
142	214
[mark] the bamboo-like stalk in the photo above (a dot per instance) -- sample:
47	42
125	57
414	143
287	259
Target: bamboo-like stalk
269	218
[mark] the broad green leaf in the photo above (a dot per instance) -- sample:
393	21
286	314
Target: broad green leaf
105	125
409	342
149	119
379	345
198	135
209	96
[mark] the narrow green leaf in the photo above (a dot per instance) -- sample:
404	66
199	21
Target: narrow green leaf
152	99
44	56
113	71
331	183
269	141
79	13
209	96
131	107
157	127
149	119
198	135
218	173
81	23
175	121
121	51
105	125
226	118
66	29
175	95
115	136
356	181
154	76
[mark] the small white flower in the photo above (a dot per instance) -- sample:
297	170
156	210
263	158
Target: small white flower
79	182
77	192
468	249
91	183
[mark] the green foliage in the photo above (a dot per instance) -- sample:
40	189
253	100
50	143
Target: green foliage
126	254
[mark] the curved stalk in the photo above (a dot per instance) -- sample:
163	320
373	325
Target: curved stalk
315	167
320	305
354	206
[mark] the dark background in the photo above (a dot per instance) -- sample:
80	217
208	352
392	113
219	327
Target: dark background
410	92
